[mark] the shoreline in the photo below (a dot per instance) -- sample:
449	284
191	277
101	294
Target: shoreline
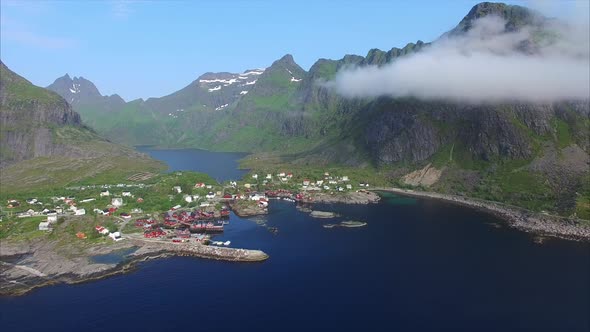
18	279
518	218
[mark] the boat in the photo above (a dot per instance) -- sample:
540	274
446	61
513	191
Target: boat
226	243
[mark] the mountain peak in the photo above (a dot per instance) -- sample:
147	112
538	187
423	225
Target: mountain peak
515	16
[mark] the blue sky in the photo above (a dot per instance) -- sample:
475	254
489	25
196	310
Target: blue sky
142	49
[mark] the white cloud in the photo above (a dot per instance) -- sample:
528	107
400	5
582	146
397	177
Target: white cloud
486	64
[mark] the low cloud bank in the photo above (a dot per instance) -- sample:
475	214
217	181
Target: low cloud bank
485	64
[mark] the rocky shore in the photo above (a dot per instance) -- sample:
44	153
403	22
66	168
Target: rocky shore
528	221
27	266
247	209
360	197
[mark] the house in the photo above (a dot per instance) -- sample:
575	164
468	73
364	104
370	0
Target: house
247	185
104	193
126	194
73	208
80	212
227	197
284	179
326	188
102	230
31	200
263	203
255	176
140	200
306	182
205	204
188	198
340	189
117	202
200	185
326	174
88	200
125	215
233	184
282	174
208	186
348	186
175	207
136	210
345	178
319	182
269	176
257	197
116	236
332	182
81	235
12	203
58	209
52	217
44	225
289	175
177	189
210	195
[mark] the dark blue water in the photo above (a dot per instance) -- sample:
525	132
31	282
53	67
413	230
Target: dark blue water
419	265
221	166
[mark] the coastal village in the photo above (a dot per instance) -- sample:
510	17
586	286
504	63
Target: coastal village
179	207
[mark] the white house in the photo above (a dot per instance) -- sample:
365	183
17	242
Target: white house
116	236
32	200
52	217
247	185
257	197
126	194
104	193
73	208
348	186
117	202
306	182
80	212
177	189
332	182
233	184
255	176
210	195
204	204
88	200
209	186
269	176
44	225
326	188
319	182
282	174
345	178
188	198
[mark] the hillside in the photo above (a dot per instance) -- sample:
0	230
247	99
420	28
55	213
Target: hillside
44	143
533	154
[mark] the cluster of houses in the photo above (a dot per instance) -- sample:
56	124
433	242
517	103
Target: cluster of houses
337	183
116	236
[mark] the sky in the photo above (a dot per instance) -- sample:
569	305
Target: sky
141	49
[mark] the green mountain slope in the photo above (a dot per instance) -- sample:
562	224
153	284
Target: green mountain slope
43	142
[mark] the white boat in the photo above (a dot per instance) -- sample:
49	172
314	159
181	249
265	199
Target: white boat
226	243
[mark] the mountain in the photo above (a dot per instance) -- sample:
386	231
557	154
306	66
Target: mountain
534	155
82	93
44	143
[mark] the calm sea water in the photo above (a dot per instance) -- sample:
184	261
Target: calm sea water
221	166
419	265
